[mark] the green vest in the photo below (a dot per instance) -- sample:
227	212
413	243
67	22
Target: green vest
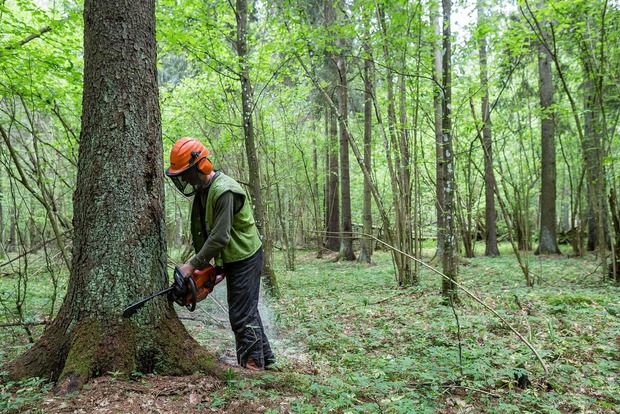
244	237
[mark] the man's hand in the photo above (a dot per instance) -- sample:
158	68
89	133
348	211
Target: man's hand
186	270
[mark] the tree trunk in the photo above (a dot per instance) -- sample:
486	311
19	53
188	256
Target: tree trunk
315	191
437	99
547	243
491	248
521	219
247	107
449	259
118	218
397	154
366	245
332	200
598	236
408	276
346	238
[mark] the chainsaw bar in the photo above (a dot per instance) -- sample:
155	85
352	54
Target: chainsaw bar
133	308
184	291
177	290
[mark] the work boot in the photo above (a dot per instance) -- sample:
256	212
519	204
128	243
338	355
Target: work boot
251	365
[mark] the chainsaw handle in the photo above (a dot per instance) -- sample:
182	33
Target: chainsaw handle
191	306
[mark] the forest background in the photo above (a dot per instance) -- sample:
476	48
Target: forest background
417	136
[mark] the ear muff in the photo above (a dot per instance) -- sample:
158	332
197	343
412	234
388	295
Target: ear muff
205	166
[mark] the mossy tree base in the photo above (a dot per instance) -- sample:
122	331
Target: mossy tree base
72	354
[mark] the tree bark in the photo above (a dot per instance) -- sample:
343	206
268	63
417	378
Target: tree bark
437	100
332	199
491	248
346	238
449	259
365	254
597	208
547	243
119	248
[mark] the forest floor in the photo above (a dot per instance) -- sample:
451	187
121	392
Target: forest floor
349	340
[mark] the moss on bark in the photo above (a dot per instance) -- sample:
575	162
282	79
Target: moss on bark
90	348
180	353
81	359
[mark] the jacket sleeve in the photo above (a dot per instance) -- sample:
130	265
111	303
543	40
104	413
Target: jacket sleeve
219	236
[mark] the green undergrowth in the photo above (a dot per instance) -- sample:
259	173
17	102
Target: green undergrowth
27	301
377	347
22	396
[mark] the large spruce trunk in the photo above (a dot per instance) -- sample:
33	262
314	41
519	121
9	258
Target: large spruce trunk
119	247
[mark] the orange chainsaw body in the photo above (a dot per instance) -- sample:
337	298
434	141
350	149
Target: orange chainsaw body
204	280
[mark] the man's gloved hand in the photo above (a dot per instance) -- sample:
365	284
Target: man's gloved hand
186	270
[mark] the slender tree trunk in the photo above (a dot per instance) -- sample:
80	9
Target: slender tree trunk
247	107
491	248
437	99
614	270
366	245
346	238
547	243
332	209
315	190
406	244
597	208
397	153
118	218
449	259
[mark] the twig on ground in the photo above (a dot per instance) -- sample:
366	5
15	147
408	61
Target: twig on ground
474	390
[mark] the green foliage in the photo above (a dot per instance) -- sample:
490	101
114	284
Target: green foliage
22	396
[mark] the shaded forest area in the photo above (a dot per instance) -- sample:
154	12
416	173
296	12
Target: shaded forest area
424	139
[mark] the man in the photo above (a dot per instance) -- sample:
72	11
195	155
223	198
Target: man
223	229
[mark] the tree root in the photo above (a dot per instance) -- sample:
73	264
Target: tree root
72	354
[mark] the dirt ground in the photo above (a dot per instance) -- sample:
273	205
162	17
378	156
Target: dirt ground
156	394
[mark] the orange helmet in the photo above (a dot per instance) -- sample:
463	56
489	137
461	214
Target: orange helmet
186	153
188	157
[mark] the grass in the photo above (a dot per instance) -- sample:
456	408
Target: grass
361	344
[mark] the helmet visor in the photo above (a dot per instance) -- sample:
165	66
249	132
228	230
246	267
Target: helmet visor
188	182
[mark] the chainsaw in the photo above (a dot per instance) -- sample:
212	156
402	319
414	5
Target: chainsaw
185	292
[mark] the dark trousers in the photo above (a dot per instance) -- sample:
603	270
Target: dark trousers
243	285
